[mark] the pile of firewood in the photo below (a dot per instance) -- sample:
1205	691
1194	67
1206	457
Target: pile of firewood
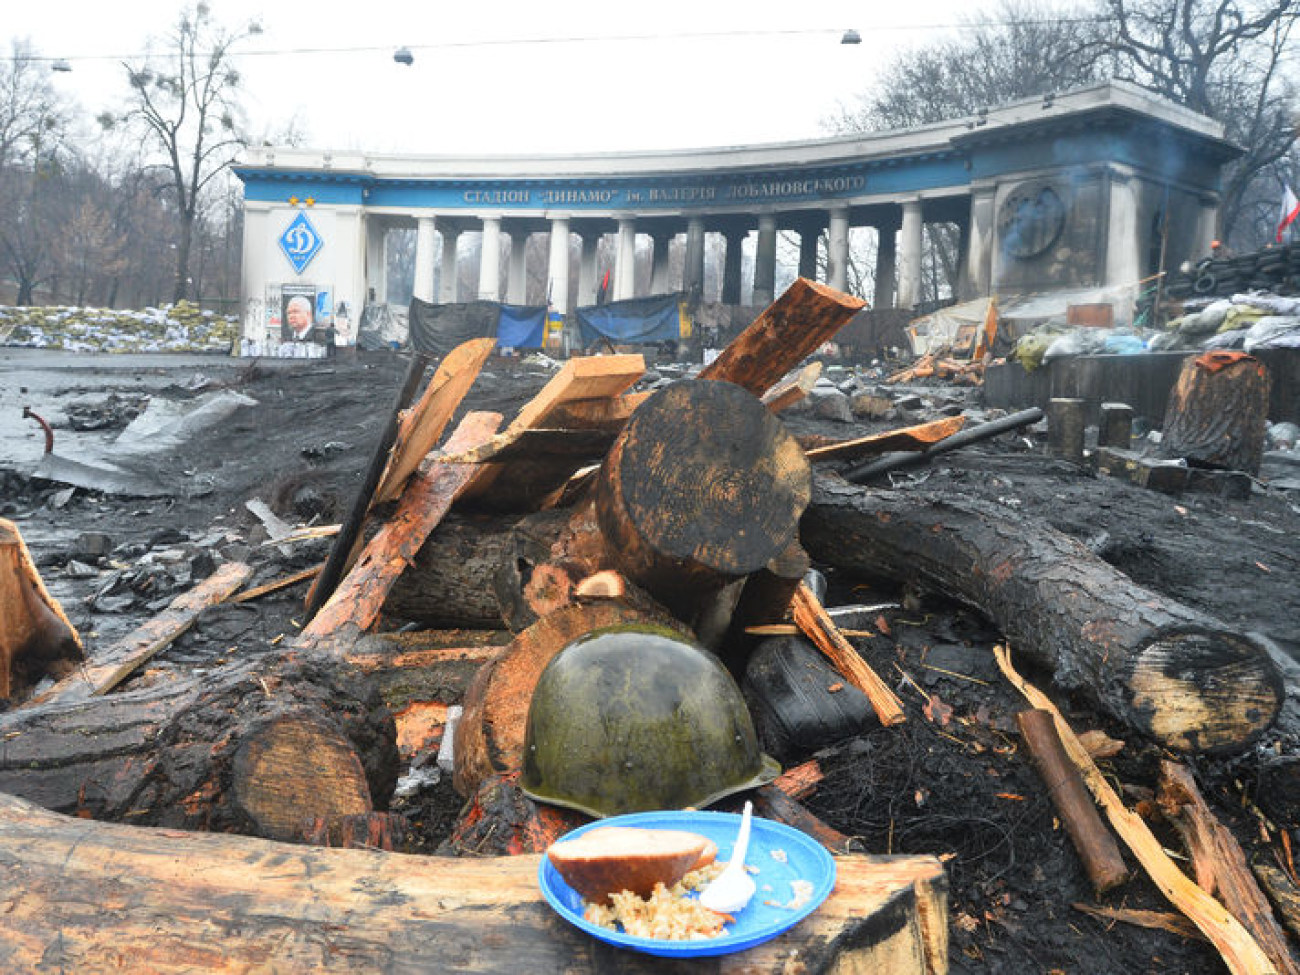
690	505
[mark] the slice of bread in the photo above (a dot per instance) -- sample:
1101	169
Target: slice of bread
608	859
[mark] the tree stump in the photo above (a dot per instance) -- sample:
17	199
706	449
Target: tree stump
703	486
1218	412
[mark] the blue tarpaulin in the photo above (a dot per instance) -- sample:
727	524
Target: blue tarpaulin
653	319
521	327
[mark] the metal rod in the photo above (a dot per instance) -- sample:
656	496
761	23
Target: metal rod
898	461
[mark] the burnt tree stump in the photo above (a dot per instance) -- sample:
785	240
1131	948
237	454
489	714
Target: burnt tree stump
703	486
1172	673
1218	412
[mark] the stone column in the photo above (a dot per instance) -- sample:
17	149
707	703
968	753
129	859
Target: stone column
1207	227
377	261
449	289
587	282
837	250
625	260
909	264
558	276
808	237
765	261
1123	236
693	272
731	266
886	263
424	231
489	261
659	263
979	254
517	283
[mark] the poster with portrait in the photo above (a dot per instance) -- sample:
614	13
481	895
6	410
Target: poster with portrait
298	314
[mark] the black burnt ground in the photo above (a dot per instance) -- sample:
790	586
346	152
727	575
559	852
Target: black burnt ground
952	781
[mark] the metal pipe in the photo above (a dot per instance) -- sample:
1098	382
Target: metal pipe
28	414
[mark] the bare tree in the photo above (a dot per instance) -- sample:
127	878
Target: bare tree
184	99
1224	59
1021	49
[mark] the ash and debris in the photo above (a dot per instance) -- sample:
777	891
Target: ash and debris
952	781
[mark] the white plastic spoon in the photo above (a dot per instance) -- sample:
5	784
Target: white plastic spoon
732	889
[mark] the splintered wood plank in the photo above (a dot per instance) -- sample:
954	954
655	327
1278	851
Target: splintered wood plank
583	378
1219	863
811	617
422	425
917	437
428	496
1240	952
222	903
129	654
793	389
783	335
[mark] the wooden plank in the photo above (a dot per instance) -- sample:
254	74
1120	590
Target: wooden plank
606	413
583	378
917	437
1239	950
165	902
422	425
125	657
783	335
357	601
275	585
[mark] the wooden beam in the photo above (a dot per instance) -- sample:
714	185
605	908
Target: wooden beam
129	654
917	437
783	335
167	902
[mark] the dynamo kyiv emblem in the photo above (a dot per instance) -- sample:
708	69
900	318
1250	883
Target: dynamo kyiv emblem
300	242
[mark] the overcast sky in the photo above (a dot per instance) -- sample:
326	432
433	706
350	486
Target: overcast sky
525	76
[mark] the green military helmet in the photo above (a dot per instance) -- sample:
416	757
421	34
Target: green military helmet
633	718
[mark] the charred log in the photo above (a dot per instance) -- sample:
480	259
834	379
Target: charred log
256	747
1171	672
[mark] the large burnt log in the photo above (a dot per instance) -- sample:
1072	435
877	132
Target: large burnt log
254	747
1170	672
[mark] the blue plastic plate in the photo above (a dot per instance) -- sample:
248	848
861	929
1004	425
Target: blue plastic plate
805	859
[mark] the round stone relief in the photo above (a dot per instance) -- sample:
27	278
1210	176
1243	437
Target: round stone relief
1030	220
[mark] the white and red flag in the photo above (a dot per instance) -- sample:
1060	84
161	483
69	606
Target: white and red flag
1290	211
